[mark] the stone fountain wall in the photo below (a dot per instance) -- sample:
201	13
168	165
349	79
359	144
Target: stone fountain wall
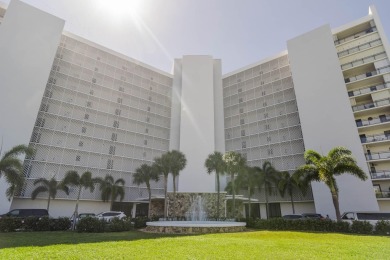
179	205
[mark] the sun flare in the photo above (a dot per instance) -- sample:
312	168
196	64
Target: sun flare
121	8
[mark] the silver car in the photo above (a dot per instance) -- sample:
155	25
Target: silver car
109	215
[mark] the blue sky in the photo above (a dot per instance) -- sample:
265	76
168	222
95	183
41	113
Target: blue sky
238	32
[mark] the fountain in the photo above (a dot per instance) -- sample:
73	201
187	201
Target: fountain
196	222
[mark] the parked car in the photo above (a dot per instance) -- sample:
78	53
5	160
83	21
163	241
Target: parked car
292	217
109	215
24	213
313	216
372	217
83	215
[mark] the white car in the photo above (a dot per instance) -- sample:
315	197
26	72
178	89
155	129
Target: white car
109	215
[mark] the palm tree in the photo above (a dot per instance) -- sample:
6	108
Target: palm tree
178	163
145	174
325	168
268	177
234	163
247	179
290	182
85	181
215	163
51	187
163	166
12	168
111	189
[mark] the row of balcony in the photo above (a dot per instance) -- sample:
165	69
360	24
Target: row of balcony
360	47
380	174
377	103
366	90
364	60
374	138
382	194
378	156
368	74
373	121
356	35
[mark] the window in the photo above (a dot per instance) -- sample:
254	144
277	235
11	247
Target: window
238	80
48	93
93	80
241	110
150	98
148	109
267	127
81	143
89	104
144	154
110	164
84	129
264	104
239	90
242	132
240	100
40	122
245	155
148	119
270	151
268	138
86	116
112	150
114	136
52	81
96	69
44	107
262	83
78	158
265	115
123	78
91	92
147	130
145	142
242	121
121	89
263	93
116	124
36	137
243	144
119	100
118	112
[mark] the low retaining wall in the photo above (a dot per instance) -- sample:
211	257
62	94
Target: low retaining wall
193	230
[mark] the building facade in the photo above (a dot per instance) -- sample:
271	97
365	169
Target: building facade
106	113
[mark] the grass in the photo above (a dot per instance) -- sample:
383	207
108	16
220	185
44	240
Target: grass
245	245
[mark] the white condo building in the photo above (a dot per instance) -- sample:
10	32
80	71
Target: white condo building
87	108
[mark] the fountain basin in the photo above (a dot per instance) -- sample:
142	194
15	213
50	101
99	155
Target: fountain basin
194	227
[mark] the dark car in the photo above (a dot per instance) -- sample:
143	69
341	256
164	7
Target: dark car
313	216
292	217
24	213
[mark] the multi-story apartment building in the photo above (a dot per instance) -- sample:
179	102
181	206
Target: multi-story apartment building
97	110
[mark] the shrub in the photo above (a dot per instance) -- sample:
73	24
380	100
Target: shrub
118	225
382	227
60	224
361	227
90	225
140	222
43	224
342	227
8	224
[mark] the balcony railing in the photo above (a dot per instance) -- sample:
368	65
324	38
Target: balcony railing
356	35
378	103
374	138
380	174
368	89
368	74
373	121
377	156
364	60
360	47
382	194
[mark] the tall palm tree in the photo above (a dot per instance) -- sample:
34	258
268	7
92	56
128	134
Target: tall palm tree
325	168
178	163
145	174
12	168
163	166
290	182
234	163
111	189
215	163
51	187
268	177
247	179
85	181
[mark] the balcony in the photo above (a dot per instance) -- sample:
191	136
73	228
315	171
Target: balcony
360	47
356	35
380	175
366	90
368	74
377	156
382	194
373	121
378	103
374	138
364	60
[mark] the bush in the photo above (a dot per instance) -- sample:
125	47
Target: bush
382	227
361	227
60	224
140	222
43	224
90	225
342	227
8	224
118	225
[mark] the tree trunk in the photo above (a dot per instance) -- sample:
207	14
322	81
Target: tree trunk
48	203
335	198
174	195
234	196
165	197
150	200
75	214
249	203
218	195
266	201
292	202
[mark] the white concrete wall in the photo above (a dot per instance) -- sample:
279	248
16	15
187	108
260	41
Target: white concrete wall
384	205
300	207
28	42
197	129
326	116
61	208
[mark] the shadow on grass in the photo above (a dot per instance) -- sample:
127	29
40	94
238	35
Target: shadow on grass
23	239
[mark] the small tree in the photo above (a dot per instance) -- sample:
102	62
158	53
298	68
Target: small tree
163	166
325	168
290	182
178	163
145	174
215	163
51	187
247	179
111	189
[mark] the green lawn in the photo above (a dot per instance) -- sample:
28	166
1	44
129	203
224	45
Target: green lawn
245	245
